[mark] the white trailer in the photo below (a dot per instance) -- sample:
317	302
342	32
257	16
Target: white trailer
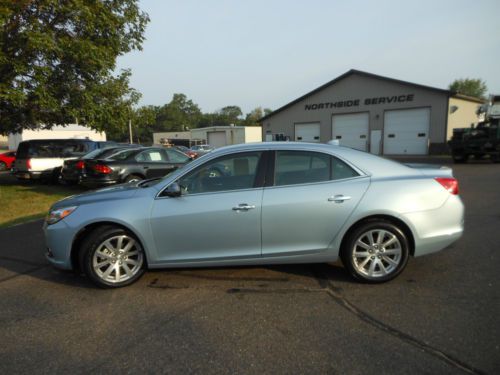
71	131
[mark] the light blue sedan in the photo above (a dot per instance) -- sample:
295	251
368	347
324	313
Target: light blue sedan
256	204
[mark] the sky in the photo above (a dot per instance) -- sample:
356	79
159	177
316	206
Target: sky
268	53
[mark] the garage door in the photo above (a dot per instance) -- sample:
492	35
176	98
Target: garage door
406	131
351	130
217	139
307	132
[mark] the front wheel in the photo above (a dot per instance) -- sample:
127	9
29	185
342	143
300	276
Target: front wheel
375	252
112	257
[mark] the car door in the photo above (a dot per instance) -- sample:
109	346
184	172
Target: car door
311	197
218	215
154	163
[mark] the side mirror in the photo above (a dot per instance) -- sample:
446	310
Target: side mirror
173	190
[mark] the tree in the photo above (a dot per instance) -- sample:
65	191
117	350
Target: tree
470	87
178	115
144	123
252	118
57	62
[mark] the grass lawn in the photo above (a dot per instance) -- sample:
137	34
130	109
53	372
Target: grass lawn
24	201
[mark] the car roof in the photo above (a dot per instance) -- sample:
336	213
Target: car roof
371	164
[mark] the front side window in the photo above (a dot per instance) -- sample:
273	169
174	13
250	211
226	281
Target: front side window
233	172
304	167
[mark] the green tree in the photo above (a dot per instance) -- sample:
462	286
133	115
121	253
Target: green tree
144	123
178	115
57	62
252	118
470	87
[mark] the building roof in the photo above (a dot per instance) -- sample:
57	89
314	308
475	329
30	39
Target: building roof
370	75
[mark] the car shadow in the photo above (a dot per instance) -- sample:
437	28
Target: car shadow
22	253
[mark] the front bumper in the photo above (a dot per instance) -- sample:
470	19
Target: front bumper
58	240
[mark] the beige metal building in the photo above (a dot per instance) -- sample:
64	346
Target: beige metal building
216	136
374	113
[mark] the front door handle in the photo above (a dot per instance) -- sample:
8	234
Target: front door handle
243	207
339	198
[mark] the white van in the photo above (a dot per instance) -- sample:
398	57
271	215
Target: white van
43	158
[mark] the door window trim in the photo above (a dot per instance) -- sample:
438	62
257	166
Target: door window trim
259	181
270	175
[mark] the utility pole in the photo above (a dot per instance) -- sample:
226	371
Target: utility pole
130	131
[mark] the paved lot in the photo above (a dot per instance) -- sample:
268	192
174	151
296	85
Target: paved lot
440	316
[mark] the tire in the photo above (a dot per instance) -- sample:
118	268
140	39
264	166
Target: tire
382	255
133	178
112	257
3	166
460	159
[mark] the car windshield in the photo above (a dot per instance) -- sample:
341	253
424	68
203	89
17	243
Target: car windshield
95	153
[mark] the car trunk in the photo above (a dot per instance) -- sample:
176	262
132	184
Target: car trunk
432	170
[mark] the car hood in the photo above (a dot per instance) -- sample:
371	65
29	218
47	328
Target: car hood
117	192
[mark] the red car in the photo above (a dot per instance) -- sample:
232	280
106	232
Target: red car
6	160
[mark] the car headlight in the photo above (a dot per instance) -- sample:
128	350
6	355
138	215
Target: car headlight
58	214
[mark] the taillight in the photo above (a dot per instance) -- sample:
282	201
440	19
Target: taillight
28	163
80	165
101	168
449	184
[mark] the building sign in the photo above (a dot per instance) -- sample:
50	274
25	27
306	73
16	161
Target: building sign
356	102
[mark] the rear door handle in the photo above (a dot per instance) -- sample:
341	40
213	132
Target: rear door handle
339	198
243	207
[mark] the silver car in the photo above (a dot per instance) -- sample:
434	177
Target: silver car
256	204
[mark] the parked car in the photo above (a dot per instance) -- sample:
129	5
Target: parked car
6	160
187	151
43	158
201	150
131	164
74	169
256	204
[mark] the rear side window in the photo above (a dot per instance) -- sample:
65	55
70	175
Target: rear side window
175	156
52	149
121	155
304	167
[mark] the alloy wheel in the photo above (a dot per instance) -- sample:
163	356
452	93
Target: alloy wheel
376	253
117	259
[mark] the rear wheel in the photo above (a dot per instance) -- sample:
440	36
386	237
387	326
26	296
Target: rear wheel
375	252
3	166
112	257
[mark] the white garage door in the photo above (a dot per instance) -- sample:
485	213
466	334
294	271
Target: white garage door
406	131
351	130
217	139
307	132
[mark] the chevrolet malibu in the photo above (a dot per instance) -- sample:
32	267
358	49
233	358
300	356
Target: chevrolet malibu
256	204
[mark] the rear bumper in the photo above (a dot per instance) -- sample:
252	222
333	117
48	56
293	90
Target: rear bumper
436	229
96	182
28	175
